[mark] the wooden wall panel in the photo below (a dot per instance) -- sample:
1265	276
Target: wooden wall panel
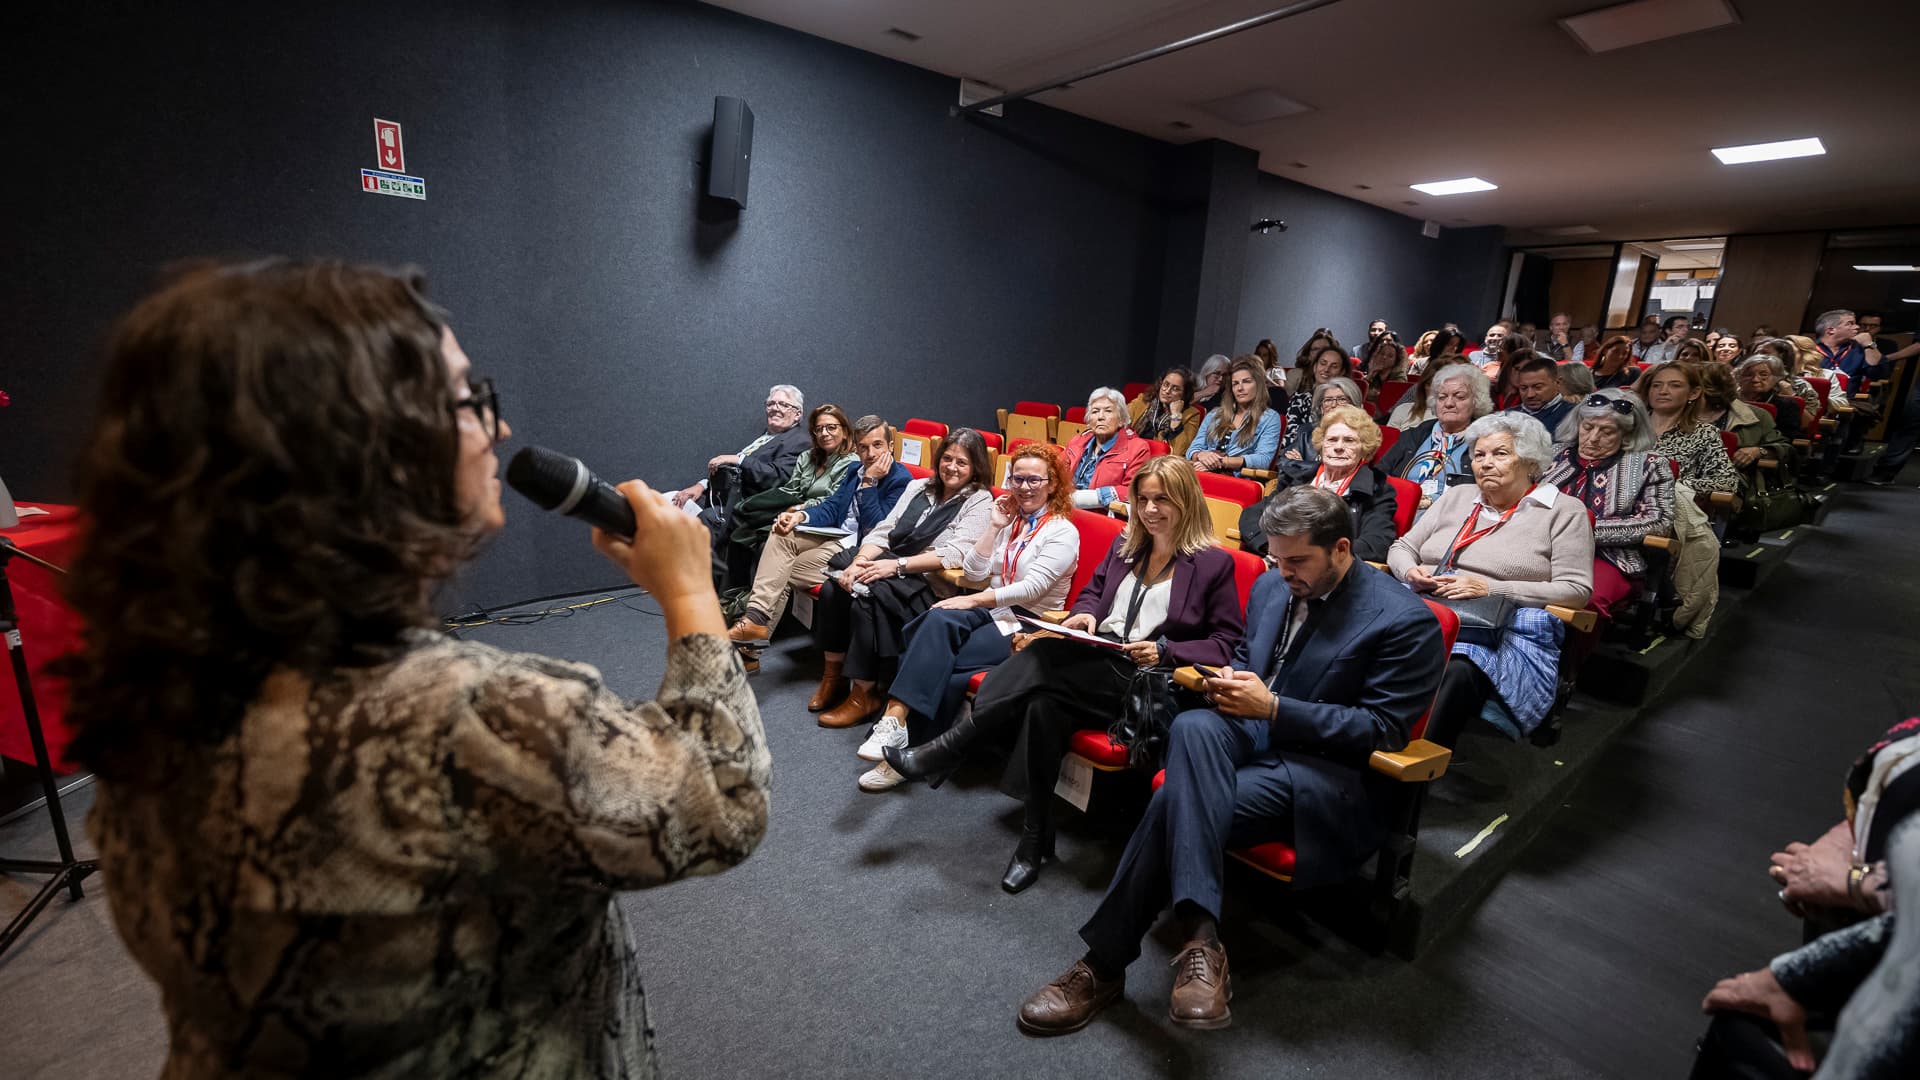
1767	279
1579	288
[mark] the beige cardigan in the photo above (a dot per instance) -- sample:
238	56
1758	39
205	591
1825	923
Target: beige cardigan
1542	555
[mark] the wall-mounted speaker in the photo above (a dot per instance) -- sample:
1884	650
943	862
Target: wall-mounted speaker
732	150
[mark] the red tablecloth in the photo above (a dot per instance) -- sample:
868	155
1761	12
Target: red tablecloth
48	628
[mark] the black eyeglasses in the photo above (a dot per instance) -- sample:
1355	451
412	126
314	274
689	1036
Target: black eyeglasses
484	400
1617	404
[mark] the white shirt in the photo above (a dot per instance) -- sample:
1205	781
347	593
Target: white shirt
1153	609
1042	571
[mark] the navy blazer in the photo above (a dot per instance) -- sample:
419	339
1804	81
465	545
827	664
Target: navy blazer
871	505
1363	674
1203	614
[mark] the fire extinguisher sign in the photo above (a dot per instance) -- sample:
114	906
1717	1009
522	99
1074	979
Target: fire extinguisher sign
388	152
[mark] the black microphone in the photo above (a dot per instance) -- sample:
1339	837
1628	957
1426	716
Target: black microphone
555	481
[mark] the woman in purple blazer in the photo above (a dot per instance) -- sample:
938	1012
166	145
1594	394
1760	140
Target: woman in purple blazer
1164	596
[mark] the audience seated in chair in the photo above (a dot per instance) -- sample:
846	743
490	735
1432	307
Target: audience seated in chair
1434	454
1027	558
1103	458
764	462
1165	590
804	541
1327	362
1296	444
1383	361
1242	434
872	593
1674	394
1762	380
1338	661
816	475
1412	409
1165	411
1535	381
1760	439
1344	441
1616	364
1210	391
1791	382
1576	381
1604	462
1488	354
1506	537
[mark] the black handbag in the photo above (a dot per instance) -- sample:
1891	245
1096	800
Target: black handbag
1145	716
1483	619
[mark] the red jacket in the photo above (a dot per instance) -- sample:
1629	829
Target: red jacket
1116	469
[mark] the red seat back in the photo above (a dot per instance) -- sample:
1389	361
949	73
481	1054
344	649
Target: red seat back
1036	408
1772	409
1160	449
1096	536
1406	501
1077	415
1388	436
916	471
1731	441
1233	489
1391	393
1821	388
993	440
1014	446
1449	633
1134	389
1247	568
929	428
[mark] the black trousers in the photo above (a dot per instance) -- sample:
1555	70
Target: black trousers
1741	1046
1054	688
1464	691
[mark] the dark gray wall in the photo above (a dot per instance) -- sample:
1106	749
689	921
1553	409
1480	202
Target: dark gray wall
1342	263
891	259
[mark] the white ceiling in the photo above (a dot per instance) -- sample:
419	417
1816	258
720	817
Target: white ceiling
1405	91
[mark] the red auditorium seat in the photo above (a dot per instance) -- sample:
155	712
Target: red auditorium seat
1406	503
1416	765
1388	436
1391	393
1134	389
1032	419
1159	448
916	471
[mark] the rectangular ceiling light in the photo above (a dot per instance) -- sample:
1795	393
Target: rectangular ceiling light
1641	21
1454	187
1889	268
1252	107
1768	151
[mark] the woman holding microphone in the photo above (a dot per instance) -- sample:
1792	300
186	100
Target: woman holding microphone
344	843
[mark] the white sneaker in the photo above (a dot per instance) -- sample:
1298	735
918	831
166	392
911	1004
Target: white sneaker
881	778
888	732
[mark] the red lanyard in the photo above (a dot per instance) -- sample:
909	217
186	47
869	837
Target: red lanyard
1010	556
1340	489
1468	534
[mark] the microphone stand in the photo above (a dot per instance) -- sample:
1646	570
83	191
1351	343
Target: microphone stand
68	871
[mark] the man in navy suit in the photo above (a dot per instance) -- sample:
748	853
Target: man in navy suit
1339	660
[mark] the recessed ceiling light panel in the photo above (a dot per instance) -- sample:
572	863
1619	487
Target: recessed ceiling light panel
1768	151
1889	268
1454	187
1252	107
1636	23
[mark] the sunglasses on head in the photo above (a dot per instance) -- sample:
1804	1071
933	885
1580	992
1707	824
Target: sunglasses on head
1602	401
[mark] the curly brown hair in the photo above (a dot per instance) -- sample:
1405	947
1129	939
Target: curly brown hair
270	484
1060	495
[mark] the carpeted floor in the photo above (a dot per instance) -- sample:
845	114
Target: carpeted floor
869	933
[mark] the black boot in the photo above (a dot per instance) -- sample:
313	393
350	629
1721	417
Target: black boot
1036	848
935	759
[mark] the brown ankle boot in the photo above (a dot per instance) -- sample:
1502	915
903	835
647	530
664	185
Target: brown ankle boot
860	704
832	688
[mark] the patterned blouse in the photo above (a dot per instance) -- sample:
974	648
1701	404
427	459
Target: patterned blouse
1704	464
408	870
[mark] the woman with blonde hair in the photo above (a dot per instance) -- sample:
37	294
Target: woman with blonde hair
1344	441
1243	433
1163	597
1422	348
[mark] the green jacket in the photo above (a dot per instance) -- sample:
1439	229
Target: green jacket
753	516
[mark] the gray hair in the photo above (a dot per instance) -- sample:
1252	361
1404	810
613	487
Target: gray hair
1830	319
1530	439
1763	359
1635	427
1576	378
1110	394
1304	510
1345	386
1475	379
799	399
1216	362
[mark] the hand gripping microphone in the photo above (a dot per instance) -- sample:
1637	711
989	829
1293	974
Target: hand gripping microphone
555	481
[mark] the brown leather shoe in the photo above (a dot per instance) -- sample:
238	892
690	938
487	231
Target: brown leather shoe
861	703
1201	988
832	688
745	630
1069	1002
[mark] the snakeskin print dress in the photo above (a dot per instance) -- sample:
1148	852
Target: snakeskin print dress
408	870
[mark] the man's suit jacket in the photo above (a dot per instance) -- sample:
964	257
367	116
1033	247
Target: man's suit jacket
1363	671
872	503
769	466
1203	611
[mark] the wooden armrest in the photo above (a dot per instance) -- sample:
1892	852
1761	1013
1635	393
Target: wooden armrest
1768	463
1118	509
1581	620
1262	475
1190	678
1419	762
1828	423
1722	500
1803	444
1233	535
1868	398
1378	566
1664	543
957	578
1054	617
1001	415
